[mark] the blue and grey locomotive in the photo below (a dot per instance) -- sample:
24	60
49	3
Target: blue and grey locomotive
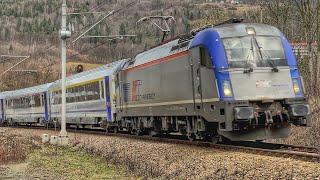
236	81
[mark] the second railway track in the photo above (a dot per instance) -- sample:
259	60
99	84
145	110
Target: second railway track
304	153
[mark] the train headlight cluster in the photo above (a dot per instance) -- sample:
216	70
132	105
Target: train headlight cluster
251	31
296	86
299	110
227	92
244	113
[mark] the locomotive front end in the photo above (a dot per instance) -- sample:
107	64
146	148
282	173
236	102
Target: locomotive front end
259	81
264	83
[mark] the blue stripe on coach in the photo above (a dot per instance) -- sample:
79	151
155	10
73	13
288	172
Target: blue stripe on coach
210	39
292	62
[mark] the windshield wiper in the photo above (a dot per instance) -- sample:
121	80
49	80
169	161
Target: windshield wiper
248	68
271	62
273	66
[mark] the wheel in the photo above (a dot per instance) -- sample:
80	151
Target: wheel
107	131
215	139
191	137
138	132
115	130
152	133
224	140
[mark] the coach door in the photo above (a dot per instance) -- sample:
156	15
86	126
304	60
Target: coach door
2	111
108	98
44	97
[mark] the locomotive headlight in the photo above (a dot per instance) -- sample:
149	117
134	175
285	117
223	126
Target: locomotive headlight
251	31
296	86
227	92
299	110
243	113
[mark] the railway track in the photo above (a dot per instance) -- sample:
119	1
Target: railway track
304	153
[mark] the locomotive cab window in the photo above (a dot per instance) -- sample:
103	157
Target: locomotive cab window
254	51
205	58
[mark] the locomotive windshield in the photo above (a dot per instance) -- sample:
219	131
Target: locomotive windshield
254	51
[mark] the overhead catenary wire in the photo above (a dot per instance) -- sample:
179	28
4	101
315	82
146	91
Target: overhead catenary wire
86	50
112	12
25	58
102	14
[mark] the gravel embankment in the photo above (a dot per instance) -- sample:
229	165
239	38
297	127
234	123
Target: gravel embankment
163	160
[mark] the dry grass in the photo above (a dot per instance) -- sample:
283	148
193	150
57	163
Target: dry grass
304	136
14	147
169	161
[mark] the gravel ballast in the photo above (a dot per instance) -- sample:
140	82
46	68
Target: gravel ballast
165	160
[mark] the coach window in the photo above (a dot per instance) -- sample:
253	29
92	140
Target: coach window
53	97
72	95
57	97
37	101
90	89
93	91
81	95
42	99
96	89
205	58
21	103
101	90
13	103
70	98
78	93
89	92
75	94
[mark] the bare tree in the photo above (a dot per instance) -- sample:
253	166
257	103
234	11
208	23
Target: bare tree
308	17
299	20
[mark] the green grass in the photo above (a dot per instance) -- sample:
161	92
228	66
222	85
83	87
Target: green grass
52	162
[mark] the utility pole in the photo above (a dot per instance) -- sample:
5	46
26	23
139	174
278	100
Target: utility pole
261	15
64	34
